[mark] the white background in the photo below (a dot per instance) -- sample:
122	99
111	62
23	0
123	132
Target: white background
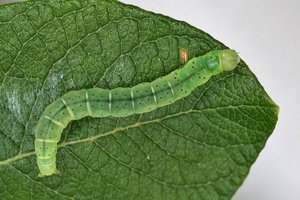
267	35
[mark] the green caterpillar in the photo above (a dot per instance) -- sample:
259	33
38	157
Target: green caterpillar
121	102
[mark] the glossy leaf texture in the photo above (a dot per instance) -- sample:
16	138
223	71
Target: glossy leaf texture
200	147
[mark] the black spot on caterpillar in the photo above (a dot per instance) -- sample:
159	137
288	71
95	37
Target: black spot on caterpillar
121	102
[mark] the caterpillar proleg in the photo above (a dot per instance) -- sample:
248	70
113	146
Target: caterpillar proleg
121	102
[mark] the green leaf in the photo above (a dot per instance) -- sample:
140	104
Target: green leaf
200	147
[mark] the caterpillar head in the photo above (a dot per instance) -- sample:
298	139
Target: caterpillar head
229	59
221	60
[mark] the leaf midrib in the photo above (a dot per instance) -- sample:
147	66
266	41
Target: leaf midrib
135	125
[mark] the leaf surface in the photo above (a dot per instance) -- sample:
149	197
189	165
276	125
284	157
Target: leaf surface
200	147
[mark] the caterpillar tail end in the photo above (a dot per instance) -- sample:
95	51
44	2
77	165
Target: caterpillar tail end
229	59
47	166
55	173
48	171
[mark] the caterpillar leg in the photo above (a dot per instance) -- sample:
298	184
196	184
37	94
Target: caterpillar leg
56	172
